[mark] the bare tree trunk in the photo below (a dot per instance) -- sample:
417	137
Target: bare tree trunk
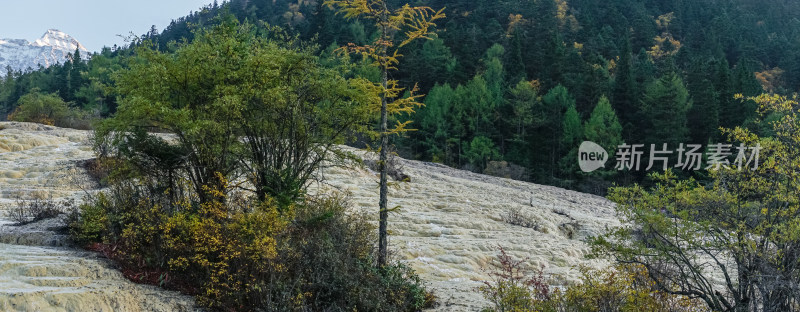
384	192
383	242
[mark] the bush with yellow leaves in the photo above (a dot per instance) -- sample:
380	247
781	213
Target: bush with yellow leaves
624	288
621	288
313	256
231	255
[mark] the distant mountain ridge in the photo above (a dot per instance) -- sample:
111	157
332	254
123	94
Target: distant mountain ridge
53	47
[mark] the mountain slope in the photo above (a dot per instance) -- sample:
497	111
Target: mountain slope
448	228
53	47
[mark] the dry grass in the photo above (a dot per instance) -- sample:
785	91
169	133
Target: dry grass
30	211
515	216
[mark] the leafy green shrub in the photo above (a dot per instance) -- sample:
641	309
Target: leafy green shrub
89	223
125	217
480	151
40	108
326	235
276	123
48	109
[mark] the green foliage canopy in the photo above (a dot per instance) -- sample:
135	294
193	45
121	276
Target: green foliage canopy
239	103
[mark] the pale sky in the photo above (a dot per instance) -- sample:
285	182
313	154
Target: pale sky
95	23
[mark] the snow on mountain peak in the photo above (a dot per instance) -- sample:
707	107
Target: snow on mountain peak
53	47
58	39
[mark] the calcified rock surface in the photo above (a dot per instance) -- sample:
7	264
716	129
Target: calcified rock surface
52	279
450	225
39	162
448	228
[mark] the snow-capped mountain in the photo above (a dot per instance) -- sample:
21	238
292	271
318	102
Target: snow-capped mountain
53	47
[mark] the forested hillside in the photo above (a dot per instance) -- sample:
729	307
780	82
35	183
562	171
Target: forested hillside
526	81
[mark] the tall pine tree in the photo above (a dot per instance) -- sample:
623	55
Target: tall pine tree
571	136
724	87
703	118
603	126
665	104
555	104
624	92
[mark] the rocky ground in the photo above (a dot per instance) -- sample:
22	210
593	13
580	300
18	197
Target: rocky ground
37	272
449	227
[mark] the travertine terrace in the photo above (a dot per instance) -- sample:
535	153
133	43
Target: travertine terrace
448	227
